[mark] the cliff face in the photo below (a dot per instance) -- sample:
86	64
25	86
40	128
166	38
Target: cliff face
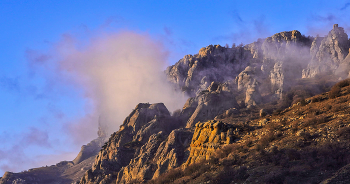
268	66
213	63
147	144
208	137
211	102
328	53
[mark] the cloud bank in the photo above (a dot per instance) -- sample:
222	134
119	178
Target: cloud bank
116	72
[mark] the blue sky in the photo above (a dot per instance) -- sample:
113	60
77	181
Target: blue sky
38	107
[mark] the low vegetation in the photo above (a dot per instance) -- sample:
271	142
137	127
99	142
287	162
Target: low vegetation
304	143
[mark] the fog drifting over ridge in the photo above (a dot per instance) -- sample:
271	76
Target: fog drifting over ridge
116	71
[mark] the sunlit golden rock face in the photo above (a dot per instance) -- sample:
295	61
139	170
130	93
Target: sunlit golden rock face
208	137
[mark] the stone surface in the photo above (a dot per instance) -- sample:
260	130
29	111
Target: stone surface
129	153
327	53
208	137
210	103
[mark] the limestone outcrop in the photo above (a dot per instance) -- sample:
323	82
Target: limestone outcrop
208	137
209	103
327	53
194	73
156	157
130	152
247	80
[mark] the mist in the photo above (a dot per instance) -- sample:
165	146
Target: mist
115	71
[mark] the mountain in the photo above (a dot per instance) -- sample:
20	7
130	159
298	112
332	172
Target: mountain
257	113
62	172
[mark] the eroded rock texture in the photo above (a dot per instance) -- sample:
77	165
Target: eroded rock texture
208	137
211	102
327	53
147	144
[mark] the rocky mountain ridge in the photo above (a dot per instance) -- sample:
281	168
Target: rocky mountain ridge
228	89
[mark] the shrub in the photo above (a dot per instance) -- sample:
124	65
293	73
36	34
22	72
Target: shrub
313	112
315	99
343	83
334	92
230	174
301	100
292	154
328	107
342	100
277	112
314	121
275	177
265	140
225	150
170	176
192	168
295	126
344	132
338	107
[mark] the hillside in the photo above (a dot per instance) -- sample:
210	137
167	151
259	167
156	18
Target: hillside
305	143
257	113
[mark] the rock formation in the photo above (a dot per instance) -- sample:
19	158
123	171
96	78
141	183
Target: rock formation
211	102
208	137
140	149
213	63
327	53
247	80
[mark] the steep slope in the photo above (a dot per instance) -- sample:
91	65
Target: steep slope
305	143
146	145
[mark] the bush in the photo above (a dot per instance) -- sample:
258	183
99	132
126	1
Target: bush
344	132
338	107
315	99
265	140
328	107
334	92
275	177
225	150
230	174
343	83
336	89
277	112
314	121
301	100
